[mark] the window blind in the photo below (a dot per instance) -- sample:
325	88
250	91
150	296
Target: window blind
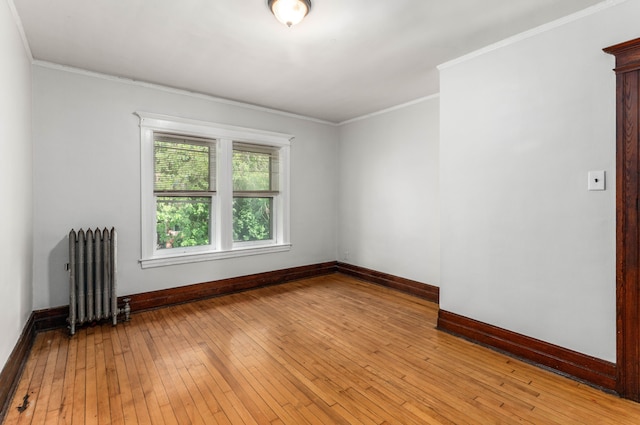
255	169
184	165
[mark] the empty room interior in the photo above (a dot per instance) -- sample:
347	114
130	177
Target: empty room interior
401	212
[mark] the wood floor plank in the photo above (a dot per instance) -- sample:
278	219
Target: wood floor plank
116	412
31	387
79	386
44	394
170	364
57	385
102	384
153	392
66	406
188	364
152	376
157	373
142	405
22	390
241	379
125	393
91	380
326	350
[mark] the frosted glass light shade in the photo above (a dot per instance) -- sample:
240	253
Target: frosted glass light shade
290	12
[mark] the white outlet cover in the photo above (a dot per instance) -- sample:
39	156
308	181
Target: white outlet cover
596	180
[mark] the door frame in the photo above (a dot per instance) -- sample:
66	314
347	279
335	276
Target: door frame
627	71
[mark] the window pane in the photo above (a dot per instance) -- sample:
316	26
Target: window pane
183	165
252	219
182	221
254	171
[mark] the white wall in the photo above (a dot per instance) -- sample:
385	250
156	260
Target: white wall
87	174
524	245
389	202
16	192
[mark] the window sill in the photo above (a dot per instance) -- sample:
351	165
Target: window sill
146	263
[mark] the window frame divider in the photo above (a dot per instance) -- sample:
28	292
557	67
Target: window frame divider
225	188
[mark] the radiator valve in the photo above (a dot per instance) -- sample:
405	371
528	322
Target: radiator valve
127	309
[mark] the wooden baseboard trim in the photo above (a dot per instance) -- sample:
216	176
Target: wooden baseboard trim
56	317
183	294
9	377
51	318
422	290
585	368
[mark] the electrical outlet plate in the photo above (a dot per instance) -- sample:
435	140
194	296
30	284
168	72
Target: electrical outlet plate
596	180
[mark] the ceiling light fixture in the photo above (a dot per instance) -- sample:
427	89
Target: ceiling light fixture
290	12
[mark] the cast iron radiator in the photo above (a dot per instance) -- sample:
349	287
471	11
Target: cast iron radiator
93	279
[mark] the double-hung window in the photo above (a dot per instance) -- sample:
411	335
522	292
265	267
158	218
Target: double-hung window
211	191
255	187
184	189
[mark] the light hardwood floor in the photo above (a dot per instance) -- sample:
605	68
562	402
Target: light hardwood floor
327	350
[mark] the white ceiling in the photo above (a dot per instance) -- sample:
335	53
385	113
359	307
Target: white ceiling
346	59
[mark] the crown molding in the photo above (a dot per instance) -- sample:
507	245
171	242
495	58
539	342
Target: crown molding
533	32
138	83
391	109
182	92
18	22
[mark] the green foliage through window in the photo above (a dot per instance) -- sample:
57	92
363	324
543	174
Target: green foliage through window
252	219
182	221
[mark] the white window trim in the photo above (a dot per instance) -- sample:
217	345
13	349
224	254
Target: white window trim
225	136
